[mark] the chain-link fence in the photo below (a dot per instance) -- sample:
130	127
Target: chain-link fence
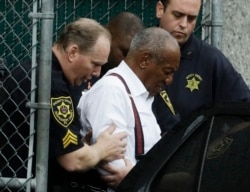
20	25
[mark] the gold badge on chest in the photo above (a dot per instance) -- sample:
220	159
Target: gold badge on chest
193	81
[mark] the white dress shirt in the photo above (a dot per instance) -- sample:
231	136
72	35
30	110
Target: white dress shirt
108	102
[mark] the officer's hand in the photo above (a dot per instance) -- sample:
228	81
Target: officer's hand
112	146
117	174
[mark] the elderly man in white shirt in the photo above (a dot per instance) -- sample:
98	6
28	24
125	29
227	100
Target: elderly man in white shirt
152	59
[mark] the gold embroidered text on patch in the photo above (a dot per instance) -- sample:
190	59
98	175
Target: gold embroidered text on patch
63	111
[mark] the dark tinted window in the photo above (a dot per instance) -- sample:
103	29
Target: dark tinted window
180	173
222	165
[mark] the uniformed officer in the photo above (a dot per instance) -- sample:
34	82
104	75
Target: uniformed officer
78	54
81	50
205	75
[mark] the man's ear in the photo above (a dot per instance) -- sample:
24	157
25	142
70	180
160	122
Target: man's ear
159	9
72	51
144	59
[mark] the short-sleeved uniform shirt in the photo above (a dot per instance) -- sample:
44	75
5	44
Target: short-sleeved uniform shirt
65	126
65	129
205	77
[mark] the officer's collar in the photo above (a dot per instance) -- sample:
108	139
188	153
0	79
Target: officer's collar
55	61
187	49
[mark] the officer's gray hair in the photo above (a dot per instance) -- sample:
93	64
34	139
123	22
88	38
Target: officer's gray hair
84	32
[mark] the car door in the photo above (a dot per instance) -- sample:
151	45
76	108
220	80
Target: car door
207	152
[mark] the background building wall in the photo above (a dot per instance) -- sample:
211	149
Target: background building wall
236	35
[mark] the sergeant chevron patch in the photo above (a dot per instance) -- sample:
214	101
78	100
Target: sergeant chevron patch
69	138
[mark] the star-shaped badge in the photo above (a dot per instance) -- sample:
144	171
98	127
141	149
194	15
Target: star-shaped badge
63	110
192	84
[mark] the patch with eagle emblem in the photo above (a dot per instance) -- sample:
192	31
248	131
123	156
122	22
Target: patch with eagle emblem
63	110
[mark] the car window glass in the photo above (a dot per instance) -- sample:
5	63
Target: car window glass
222	165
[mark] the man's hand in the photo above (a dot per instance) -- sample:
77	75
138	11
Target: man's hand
116	174
111	146
108	147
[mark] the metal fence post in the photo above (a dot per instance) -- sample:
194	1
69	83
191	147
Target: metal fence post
217	23
44	95
32	95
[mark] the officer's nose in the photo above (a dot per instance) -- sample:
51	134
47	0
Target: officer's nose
97	71
183	22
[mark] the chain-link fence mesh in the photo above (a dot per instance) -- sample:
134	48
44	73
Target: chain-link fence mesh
16	30
16	127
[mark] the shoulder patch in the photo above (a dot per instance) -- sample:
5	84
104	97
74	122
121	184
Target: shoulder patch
62	110
167	100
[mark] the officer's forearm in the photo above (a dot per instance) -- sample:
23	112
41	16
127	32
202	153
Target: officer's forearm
80	160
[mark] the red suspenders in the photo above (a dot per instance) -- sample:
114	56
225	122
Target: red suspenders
139	139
